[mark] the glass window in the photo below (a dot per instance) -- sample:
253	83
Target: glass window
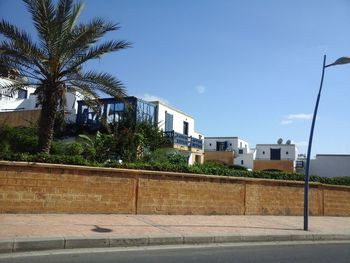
145	112
119	106
185	128
22	94
275	154
168	122
240	151
242	162
221	146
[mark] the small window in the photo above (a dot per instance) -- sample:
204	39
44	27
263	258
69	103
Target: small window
230	144
209	144
287	152
240	151
22	94
242	162
263	152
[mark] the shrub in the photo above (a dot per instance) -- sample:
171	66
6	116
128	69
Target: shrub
57	148
74	148
238	167
18	140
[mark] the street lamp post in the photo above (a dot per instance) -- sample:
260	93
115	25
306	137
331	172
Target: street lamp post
340	61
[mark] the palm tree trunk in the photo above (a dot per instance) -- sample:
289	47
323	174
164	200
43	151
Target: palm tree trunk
46	124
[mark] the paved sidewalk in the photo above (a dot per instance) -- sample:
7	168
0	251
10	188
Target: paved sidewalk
25	232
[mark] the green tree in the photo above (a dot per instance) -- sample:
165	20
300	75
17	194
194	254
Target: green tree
54	63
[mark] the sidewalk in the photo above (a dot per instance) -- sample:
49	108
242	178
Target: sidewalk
26	232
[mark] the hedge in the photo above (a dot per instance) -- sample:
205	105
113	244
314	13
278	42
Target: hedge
208	169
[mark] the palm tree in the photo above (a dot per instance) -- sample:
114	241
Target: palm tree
54	63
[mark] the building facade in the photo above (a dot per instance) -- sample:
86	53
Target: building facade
275	157
229	150
22	109
176	125
330	165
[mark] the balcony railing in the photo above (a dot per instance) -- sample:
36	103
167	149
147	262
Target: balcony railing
196	143
183	140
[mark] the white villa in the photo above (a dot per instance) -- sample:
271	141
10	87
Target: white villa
235	151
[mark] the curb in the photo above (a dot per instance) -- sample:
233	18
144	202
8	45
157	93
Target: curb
53	243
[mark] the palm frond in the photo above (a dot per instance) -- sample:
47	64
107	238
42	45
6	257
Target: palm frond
101	81
95	53
43	16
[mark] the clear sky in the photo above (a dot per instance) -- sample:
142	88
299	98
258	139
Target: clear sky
240	67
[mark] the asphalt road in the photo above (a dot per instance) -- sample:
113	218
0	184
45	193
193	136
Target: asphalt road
308	253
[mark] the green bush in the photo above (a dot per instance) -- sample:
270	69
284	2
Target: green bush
18	140
238	167
74	148
57	148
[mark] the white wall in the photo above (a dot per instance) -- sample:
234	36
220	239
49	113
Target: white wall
178	119
288	151
330	165
13	103
210	143
234	144
248	160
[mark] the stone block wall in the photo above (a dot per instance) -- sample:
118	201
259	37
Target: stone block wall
50	188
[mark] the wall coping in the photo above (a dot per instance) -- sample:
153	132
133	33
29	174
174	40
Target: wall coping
162	173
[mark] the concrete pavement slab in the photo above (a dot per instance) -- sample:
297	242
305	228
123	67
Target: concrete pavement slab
86	242
166	240
128	241
35	244
6	245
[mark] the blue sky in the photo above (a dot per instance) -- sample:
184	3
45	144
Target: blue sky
240	68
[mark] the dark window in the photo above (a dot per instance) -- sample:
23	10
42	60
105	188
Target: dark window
168	122
230	144
287	152
221	146
209	144
240	151
275	154
185	131
22	94
242	162
263	152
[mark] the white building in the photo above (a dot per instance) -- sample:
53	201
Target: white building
276	157
330	165
180	127
19	100
25	100
276	152
229	150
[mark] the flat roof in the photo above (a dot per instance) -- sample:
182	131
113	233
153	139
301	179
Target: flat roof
221	137
275	144
345	155
170	107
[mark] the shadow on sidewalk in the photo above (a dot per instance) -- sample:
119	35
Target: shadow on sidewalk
101	229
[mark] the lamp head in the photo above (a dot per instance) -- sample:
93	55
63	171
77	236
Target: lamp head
340	61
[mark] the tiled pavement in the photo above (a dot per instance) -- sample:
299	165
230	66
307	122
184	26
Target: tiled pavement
29	232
